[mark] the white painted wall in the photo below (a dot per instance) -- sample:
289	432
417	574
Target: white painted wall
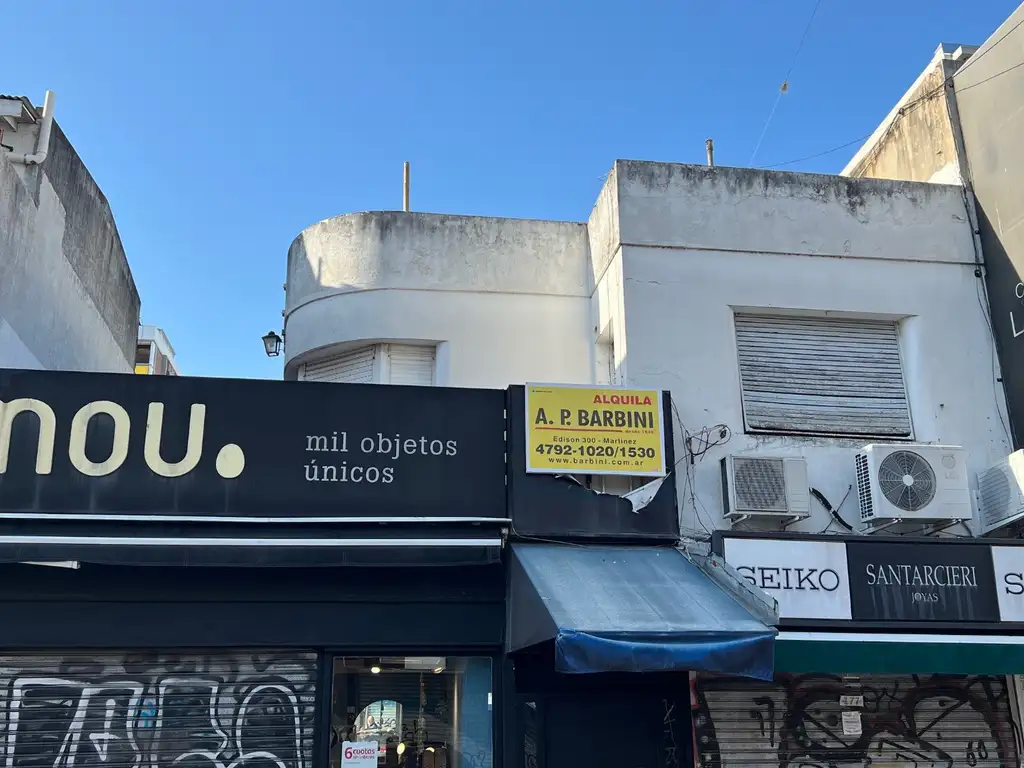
47	316
669	252
506	300
696	244
14	353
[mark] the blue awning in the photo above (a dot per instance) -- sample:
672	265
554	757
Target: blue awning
631	609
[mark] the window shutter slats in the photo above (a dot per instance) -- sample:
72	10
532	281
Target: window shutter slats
412	365
352	367
836	376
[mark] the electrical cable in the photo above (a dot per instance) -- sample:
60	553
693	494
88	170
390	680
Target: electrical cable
690	482
978	56
785	81
834	511
861	140
986	308
911	104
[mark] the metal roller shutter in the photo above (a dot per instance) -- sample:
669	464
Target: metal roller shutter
353	367
147	709
827	375
412	365
939	721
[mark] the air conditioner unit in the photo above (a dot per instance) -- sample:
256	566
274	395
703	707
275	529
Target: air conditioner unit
765	486
912	482
1000	494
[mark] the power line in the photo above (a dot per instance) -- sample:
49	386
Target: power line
785	81
902	111
909	105
979	56
992	77
819	154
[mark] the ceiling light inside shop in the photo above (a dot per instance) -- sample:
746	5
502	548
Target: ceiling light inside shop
425	663
375	669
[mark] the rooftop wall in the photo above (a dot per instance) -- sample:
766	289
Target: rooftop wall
67	296
499	295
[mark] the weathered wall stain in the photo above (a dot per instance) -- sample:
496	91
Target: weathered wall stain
67	294
149	710
925	722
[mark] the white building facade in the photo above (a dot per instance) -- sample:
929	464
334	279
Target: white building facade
154	355
796	320
790	315
68	300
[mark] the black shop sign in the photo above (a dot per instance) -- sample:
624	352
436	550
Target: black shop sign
914	581
77	444
831	581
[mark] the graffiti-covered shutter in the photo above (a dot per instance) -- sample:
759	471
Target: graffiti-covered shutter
938	721
141	709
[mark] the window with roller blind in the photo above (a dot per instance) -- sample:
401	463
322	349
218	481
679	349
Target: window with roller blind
836	376
409	364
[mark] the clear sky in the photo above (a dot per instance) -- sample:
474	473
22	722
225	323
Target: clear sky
219	129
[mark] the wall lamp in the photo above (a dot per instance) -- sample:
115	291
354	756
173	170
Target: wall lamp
272	344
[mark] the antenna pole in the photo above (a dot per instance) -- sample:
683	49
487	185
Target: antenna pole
710	145
405	188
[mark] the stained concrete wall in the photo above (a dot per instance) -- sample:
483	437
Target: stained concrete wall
916	142
505	300
696	244
669	253
67	296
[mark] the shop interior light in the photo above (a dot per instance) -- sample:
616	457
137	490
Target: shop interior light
375	669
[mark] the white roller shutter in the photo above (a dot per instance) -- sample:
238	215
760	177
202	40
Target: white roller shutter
825	375
906	720
352	367
410	364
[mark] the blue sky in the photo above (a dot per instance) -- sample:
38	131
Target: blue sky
219	129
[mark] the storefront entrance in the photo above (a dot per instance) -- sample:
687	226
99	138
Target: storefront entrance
413	711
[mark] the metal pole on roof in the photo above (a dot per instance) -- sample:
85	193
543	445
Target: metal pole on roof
405	188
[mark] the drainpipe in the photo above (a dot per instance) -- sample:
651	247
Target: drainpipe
42	141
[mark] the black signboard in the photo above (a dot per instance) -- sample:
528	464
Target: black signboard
125	445
1006	302
918	582
563	507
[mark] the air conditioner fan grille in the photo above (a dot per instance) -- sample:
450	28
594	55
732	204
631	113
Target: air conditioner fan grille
907	480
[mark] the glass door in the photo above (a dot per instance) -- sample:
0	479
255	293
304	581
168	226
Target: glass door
411	712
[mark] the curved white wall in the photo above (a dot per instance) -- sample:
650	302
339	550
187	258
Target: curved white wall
505	300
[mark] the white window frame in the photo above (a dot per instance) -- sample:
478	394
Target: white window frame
806	428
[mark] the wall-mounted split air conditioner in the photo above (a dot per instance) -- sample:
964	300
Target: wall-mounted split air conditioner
765	486
1000	494
912	482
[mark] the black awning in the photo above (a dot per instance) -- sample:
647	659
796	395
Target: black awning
631	609
209	545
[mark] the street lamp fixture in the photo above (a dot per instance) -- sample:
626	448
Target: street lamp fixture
272	344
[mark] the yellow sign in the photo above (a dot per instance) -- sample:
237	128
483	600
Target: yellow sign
594	431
